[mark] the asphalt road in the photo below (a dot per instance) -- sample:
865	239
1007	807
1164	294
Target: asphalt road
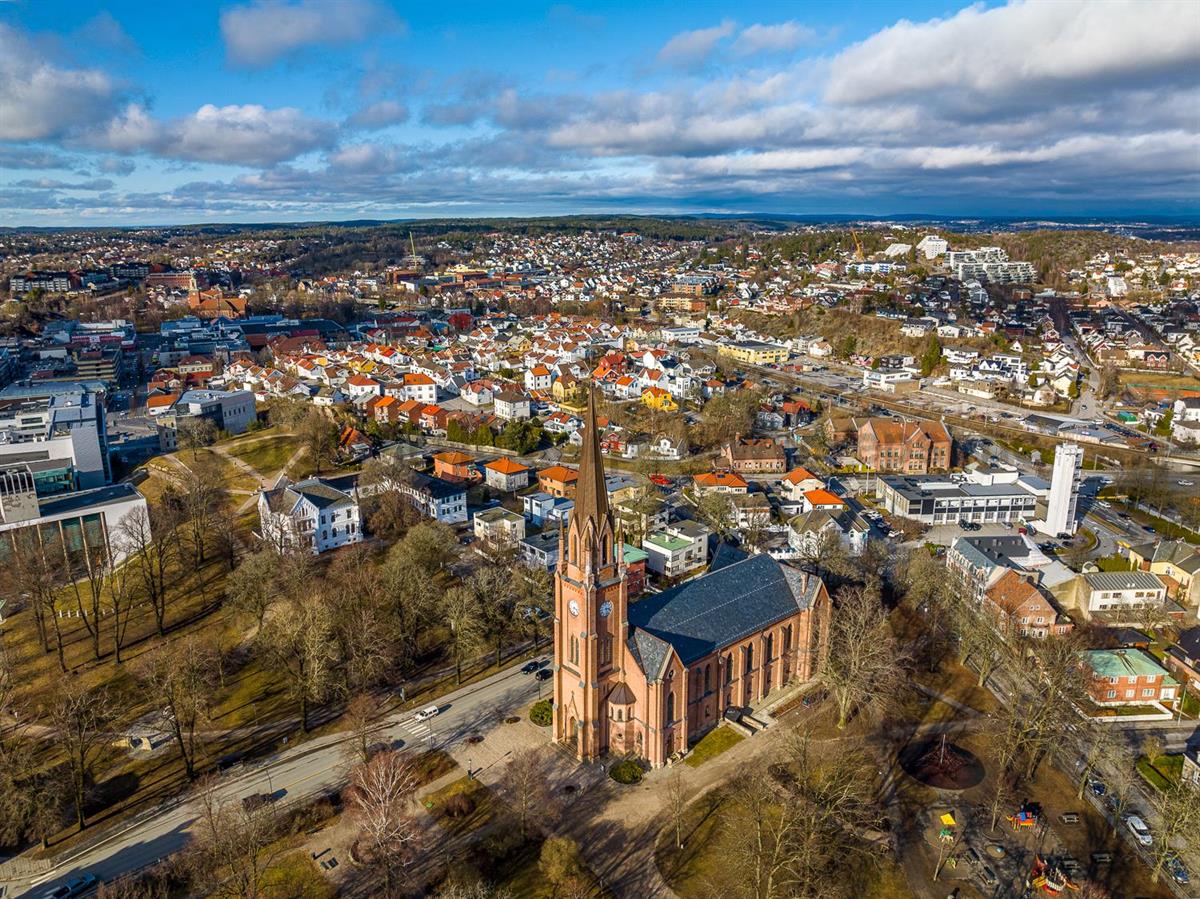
294	775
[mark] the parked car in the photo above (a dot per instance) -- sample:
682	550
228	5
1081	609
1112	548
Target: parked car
426	713
1097	787
1140	831
530	667
255	801
544	674
1177	871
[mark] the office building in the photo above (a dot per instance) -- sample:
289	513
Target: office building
61	437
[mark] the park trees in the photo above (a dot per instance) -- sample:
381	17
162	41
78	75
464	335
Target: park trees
865	667
233	846
525	786
148	540
379	797
1176	825
299	644
181	678
79	716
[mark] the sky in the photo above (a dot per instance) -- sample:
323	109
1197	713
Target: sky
288	110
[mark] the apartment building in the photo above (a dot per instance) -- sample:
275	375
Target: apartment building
904	447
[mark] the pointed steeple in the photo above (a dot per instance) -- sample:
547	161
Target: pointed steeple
591	494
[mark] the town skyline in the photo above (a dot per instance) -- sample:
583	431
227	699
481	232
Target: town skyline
359	109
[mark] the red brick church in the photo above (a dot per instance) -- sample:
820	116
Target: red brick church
649	678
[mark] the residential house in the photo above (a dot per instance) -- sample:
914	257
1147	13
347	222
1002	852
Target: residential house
755	456
1120	596
510	405
1183	659
1022	608
558	480
453	465
660	399
497	530
677	549
1124	677
1176	562
506	475
309	515
720	482
434	497
808	531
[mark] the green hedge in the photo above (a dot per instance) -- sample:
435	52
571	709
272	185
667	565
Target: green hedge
542	713
626	772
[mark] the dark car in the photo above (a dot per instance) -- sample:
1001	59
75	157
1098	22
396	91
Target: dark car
530	667
544	674
255	801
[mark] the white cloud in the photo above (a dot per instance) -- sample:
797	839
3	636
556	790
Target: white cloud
1019	47
265	30
693	47
380	114
781	38
233	135
40	100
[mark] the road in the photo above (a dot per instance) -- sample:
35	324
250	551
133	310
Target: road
295	775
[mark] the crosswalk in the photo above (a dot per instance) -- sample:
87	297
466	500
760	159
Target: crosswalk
417	734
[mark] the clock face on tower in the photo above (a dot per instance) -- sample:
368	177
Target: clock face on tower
574	607
605	609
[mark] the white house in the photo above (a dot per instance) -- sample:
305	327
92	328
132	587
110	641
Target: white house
310	514
676	549
511	406
506	475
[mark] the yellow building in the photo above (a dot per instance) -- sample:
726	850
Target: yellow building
754	352
657	398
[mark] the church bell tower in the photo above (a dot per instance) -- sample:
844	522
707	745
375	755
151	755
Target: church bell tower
590	601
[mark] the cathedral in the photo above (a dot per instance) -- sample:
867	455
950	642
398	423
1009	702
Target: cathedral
647	679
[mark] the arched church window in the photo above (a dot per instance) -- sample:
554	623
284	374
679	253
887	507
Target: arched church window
787	638
670	707
729	668
769	648
575	650
708	678
748	655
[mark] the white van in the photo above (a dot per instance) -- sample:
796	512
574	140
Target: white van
426	713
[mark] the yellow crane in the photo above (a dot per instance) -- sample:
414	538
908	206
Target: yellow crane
858	250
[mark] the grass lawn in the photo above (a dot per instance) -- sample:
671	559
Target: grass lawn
1163	773
712	744
1191	705
1114	562
478	806
296	876
230	475
266	456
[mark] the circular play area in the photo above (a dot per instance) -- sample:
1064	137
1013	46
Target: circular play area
942	765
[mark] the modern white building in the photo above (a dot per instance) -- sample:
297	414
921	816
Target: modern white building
231	411
309	514
677	549
62	437
1064	491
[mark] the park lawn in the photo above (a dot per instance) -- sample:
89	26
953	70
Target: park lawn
1163	773
712	744
232	478
296	876
266	456
1191	704
483	806
521	875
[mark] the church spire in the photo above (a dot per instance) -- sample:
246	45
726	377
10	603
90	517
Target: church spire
591	494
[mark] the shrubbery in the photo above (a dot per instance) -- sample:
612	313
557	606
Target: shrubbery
542	713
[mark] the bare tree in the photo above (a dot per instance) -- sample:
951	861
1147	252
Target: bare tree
676	804
198	501
1176	820
233	846
380	796
88	575
362	714
299	643
182	678
864	670
460	609
79	717
148	540
525	786
319	435
123	597
254	584
195	433
38	570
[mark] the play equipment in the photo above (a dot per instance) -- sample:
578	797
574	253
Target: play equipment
1051	879
1026	816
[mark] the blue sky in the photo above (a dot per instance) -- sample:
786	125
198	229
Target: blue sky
270	110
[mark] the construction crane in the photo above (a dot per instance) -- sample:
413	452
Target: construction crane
858	250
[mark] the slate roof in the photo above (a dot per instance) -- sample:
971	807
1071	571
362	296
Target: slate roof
322	495
717	609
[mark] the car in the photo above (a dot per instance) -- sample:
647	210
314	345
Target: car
1140	831
1097	787
426	713
530	667
255	801
1177	871
544	674
1186	483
